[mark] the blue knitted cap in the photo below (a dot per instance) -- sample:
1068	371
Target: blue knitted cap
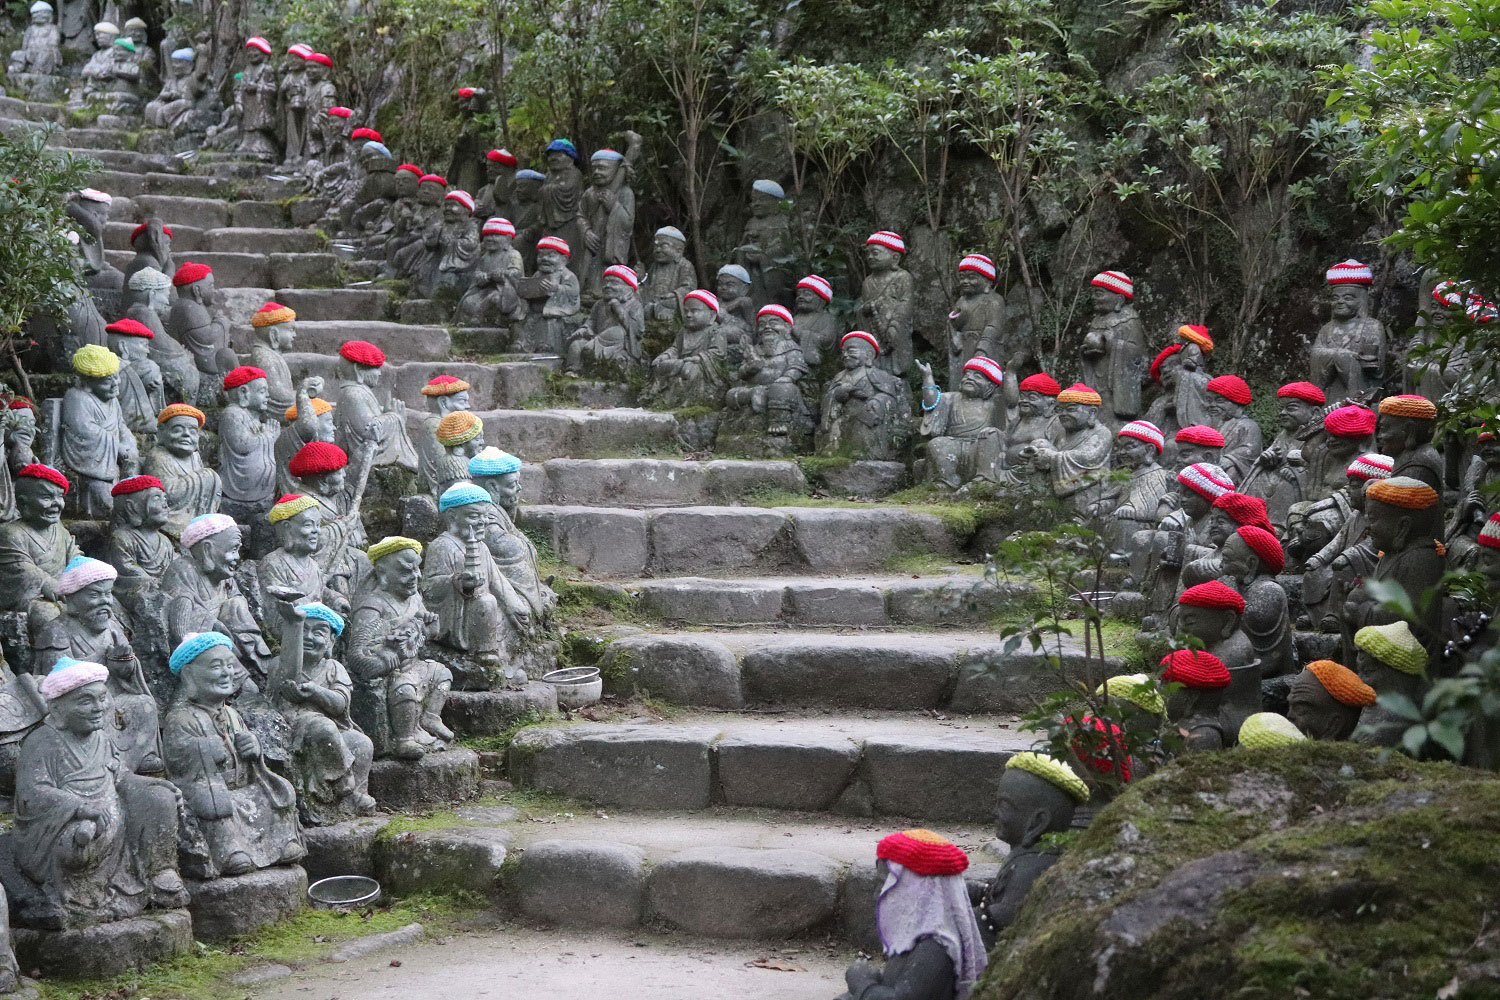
771	188
608	154
563	146
324	613
186	55
378	147
530	175
460	494
493	462
735	271
195	646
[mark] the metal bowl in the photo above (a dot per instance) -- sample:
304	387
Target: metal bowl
576	687
1098	598
343	891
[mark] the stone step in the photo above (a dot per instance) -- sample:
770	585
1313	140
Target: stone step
537	435
126	160
494	386
14	107
255	270
414	343
190	185
119	183
185	239
323	304
93	138
894	671
911	766
257	214
205	213
191	239
656	482
624	542
875	601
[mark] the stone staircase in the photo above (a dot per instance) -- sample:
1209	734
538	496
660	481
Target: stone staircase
819	693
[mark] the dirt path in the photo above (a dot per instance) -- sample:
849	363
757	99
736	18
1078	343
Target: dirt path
572	966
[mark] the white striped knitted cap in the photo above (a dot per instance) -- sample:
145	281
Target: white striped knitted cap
205	526
780	312
1207	480
83	571
1116	281
555	244
868	338
706	297
986	367
818	286
1372	466
257	42
1489	535
498	227
889	240
1144	430
462	197
624	273
979	264
1350	272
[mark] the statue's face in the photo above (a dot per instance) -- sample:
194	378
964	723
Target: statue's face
316	72
558	160
1388	527
283	336
1106	301
41	18
1209	625
1035	404
39	502
218	556
400	573
1313	710
91	605
496	243
1077	416
976	386
808	301
255	57
471	448
549	261
453	401
1171	371
430	193
762	204
1222	409
697	314
880	258
770	329
504	490
128	348
468	522
103	39
1393	434
1342	450
1355	491
150	508
204	289
1239	560
406	183
368	375
1294	414
602	172
105	388
138	35
329	484
80	712
160	301
972	283
212	676
180	67
1021	813
616	290
300	535
728	288
666	250
179	435
454	211
323	427
1220	526
317	640
254	395
857	354
1194	505
1489	451
1347	301
1192	454
1131	453
528	190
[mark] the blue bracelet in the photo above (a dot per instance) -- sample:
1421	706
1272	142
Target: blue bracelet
935	401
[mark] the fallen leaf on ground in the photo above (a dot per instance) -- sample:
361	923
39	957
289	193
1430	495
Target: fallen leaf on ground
775	965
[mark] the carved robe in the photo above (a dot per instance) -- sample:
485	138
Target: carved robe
191	489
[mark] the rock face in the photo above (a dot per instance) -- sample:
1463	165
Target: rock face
1318	871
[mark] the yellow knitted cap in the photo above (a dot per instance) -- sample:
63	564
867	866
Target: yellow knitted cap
1394	645
1052	770
290	506
459	427
445	385
320	407
394	543
94	361
1137	689
1267	729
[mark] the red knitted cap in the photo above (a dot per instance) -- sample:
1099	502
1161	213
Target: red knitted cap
190	272
1095	752
923	853
1350	422
412	168
503	156
135	484
1195	669
20	403
367	134
1264	545
1215	595
362	352
130	328
138	230
38	471
1200	434
317	458
1042	383
1245	509
1302	390
1231	387
241	375
1166	352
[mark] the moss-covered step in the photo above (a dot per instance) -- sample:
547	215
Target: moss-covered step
508	384
205	213
652	482
15	107
537	435
253	270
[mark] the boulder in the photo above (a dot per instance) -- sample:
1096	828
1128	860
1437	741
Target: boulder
346	848
439	779
454	860
104	950
225	908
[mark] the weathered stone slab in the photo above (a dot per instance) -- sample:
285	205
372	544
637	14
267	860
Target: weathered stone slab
438	779
484	713
946	600
611	481
400	343
188	185
244	240
738	892
634	766
231	270
934	777
991	680
684	670
801	772
730	480
581	883
346	848
689	538
704	601
303	270
863	479
323	304
371	943
105	949
257	214
204	213
185	239
224	908
833	539
603	541
857	907
459	859
867	672
835	603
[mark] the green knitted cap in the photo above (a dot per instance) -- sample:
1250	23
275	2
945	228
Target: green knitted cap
1393	645
1136	689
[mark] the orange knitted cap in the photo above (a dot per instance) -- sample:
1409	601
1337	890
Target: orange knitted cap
320	407
180	410
1080	393
1198	335
1341	682
1417	407
1402	491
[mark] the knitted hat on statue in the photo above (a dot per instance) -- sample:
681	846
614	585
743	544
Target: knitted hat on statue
1305	391
1415	407
1267	729
1200	434
390	544
1264	545
444	385
1244	509
1197	335
1394	645
1161	359
68	675
1231	387
1197	669
1372	466
1144	430
1080	393
1115	281
923	852
1215	595
1138	689
1042	383
290	506
1206	479
1051	770
1342	683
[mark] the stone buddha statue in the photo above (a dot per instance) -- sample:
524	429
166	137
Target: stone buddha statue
1404	430
1076	464
140	551
309	419
192	489
1326	700
492	298
887	299
203	595
817	327
98	71
1036	418
320	470
245	813
291	87
1279	470
461	436
606	210
1348	432
976	323
691	372
610	340
95	440
196	324
141	390
1391	660
496	196
515	555
186	105
247	446
736	311
1196	707
766	412
1158	556
35	548
250	123
1348	355
1228	396
666	280
452	248
148	300
561	196
275	327
866	410
1114	348
36	67
405	246
445	394
552	300
526	212
398	696
292	567
1132	507
1347	555
1405	522
94	841
1252	559
360	421
966	429
766	249
1212	613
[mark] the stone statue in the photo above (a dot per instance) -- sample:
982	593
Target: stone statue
1133	507
309	419
1114	348
866	411
1475	496
1347	555
99	69
1036	418
552	300
362	425
1348	353
766	411
275	333
1348	433
247	814
192	489
186	104
140	552
141	391
1326	700
1197	443
1404	431
1229	395
817	328
203	596
247	446
1229	512
561	196
150	75
398	697
36	67
1076	465
292	90
1278	472
1252	558
609	342
465	166
886	299
667	280
766	249
1037	795
461	436
90	209
479	613
1193	377
319	470
196	324
1158	557
1391	660
35	548
965	430
606	211
1195	708
976	323
1165	370
330	758
497	195
94	440
88	630
321	97
18	428
526	213
736	311
292	567
450	246
251	120
445	394
94	841
394	232
75	16
367	213
152	243
406	249
491	298
499	475
1405	521
119	89
147	301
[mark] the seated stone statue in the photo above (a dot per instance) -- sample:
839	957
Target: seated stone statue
1076	465
330	758
1212	613
35	548
94	841
309	419
1476	495
667	280
887	299
966	429
1158	556
247	814
1390	659
1036	418
1404	431
36	67
203	595
1252	558
1196	707
99	69
1405	520
933	947
1132	506
450	248
88	630
1278	473
552	300
691	373
247	449
1347	434
140	551
1229	512
445	394
491	298
1347	554
1348	355
736	310
362	426
275	327
1326	699
148	300
817	327
398	696
94	440
1038	795
319	470
192	489
461	436
766	412
404	249
197	325
609	342
293	565
499	475
866	410
186	104
1228	396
